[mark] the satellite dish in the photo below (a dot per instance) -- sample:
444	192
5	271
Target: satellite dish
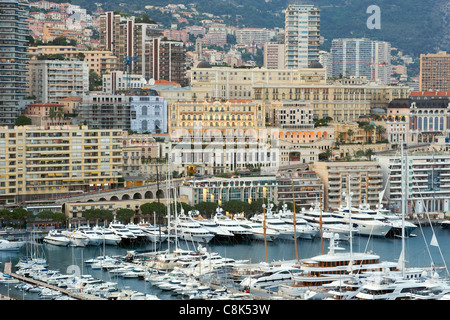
151	82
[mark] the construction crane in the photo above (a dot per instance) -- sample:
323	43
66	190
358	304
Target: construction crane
127	61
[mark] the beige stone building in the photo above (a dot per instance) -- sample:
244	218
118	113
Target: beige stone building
342	99
366	181
274	55
38	162
102	62
218	136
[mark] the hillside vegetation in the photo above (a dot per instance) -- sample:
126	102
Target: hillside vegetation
413	26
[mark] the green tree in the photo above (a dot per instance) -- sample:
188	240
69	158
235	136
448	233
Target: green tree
6	216
95	81
380	130
154	208
206	209
98	215
369	154
124	215
350	134
236	206
23	121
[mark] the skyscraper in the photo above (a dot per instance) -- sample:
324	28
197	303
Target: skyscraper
361	57
13	58
302	35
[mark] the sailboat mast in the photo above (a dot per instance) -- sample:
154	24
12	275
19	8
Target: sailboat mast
404	189
264	224
294	221
349	205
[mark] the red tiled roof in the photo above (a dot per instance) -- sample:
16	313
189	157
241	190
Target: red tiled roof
430	94
45	105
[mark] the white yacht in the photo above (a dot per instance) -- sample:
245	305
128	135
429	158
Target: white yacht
218	231
122	231
239	233
256	229
6	245
273	277
136	230
366	224
324	220
286	231
94	238
389	287
152	233
326	268
56	238
395	220
77	239
189	230
108	237
302	226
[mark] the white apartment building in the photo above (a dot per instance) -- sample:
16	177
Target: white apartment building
302	35
428	181
52	80
249	36
361	57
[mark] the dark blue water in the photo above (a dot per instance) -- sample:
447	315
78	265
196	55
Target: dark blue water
418	253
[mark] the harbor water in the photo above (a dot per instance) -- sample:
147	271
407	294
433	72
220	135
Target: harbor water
419	252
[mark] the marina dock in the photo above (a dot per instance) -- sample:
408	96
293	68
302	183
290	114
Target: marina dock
78	296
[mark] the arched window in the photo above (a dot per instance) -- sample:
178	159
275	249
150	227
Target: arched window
144	126
419	123
144	110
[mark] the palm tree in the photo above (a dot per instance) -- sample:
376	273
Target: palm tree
60	113
368	128
381	130
369	154
350	134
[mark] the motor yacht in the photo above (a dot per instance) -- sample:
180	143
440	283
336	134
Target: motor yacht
239	233
108	237
386	216
56	238
366	224
6	245
190	230
77	239
256	229
94	238
302	226
219	232
152	233
273	277
122	231
336	264
325	221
